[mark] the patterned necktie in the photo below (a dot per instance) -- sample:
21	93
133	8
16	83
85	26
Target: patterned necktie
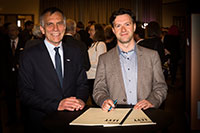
58	65
13	47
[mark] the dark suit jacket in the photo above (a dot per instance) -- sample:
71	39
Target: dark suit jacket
25	34
39	85
10	62
70	40
85	37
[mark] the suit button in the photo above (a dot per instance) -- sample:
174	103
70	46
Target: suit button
124	100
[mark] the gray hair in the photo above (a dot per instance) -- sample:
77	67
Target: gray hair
36	31
70	26
51	10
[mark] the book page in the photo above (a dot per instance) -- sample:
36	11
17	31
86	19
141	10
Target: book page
137	117
98	117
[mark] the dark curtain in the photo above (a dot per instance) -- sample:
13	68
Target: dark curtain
100	10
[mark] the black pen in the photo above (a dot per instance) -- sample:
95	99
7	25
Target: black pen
115	102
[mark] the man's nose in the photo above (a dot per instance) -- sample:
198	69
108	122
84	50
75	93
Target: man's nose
55	27
123	29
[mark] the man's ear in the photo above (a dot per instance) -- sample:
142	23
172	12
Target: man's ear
113	30
42	30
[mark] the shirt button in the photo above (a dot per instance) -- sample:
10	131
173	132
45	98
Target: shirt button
128	68
130	91
124	100
127	58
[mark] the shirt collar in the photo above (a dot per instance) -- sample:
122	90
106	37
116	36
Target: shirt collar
122	52
16	40
139	41
51	46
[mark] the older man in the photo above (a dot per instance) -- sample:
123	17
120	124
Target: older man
52	77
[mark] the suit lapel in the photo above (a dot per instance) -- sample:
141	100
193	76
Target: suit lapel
116	64
66	61
140	63
46	59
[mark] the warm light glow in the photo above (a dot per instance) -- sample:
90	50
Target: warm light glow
18	23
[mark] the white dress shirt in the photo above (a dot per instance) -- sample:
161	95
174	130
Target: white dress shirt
52	52
16	42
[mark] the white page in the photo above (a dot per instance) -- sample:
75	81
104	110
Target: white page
137	117
96	117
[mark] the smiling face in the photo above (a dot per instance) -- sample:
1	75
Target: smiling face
92	32
54	27
123	27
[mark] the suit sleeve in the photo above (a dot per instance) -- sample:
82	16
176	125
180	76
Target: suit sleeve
159	86
100	92
82	90
78	79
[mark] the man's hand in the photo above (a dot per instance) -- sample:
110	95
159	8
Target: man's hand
144	104
71	104
107	104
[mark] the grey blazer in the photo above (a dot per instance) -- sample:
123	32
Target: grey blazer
109	81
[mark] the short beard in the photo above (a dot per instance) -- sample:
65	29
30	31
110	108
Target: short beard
125	42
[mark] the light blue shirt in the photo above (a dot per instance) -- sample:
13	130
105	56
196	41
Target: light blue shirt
52	52
128	61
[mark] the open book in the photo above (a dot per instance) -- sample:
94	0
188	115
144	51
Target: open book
117	117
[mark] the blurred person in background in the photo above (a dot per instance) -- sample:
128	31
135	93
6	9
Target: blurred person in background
71	40
110	38
97	48
139	33
37	36
13	46
27	34
172	44
153	39
84	35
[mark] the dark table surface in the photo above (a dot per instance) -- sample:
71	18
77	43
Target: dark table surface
58	122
